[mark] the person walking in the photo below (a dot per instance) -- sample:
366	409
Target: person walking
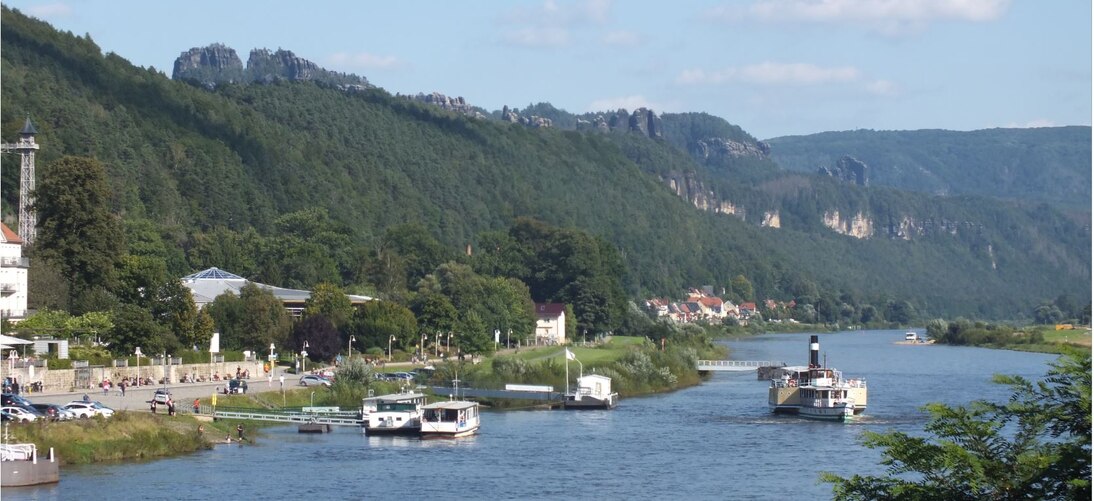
197	406
239	430
153	405
282	380
121	387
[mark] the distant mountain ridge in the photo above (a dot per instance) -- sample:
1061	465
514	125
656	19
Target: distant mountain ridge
1041	165
193	161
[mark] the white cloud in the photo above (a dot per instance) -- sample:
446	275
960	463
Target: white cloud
551	23
538	37
630	103
49	10
363	60
887	16
769	73
622	39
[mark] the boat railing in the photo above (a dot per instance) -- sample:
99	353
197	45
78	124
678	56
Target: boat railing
16	452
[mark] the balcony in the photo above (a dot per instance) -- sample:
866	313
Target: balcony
14	262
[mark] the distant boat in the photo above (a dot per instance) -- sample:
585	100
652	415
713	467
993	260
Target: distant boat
21	466
817	392
911	336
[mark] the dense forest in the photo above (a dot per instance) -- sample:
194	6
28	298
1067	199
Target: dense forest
296	184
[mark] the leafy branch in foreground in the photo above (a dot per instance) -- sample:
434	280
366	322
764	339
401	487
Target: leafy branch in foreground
1035	446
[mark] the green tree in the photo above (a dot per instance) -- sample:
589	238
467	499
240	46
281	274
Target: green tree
1035	446
264	319
77	226
135	326
742	287
320	335
330	301
377	322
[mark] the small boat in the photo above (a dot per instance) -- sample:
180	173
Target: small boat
451	419
817	392
20	466
911	336
395	414
593	392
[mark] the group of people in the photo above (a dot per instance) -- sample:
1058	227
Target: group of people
12	385
170	406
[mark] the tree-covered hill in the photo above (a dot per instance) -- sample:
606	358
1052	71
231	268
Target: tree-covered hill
293	183
1050	164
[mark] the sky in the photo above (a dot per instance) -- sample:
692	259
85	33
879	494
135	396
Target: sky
773	67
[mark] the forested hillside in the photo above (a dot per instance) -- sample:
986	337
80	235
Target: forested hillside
1050	164
294	184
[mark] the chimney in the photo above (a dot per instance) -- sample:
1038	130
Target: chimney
814	351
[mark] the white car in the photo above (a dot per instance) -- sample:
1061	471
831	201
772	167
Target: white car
19	414
85	410
313	380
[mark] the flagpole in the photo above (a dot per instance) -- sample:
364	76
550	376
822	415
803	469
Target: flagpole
567	370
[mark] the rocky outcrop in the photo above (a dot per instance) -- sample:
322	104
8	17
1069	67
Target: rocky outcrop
719	147
457	104
858	226
695	192
217	64
848	169
906	227
510	115
642	121
771	220
209	66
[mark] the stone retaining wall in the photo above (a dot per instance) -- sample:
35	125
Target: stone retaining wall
63	380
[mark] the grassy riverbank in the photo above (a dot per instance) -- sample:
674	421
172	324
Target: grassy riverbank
125	436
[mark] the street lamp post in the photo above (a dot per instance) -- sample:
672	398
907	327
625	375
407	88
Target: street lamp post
304	358
138	354
271	355
421	351
448	344
351	340
437	345
389	340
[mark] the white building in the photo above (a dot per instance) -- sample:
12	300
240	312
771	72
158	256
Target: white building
13	275
550	323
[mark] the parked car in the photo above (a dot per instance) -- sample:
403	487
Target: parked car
401	376
54	412
237	386
86	410
11	399
313	380
161	396
19	414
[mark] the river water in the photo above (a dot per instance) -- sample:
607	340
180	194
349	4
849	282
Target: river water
713	441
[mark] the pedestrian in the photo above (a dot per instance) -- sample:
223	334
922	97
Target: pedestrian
87	398
269	380
239	430
197	406
106	387
153	405
282	380
170	407
121	387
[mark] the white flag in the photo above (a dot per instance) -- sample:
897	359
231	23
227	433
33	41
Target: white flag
570	355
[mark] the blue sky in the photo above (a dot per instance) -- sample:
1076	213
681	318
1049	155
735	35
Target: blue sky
774	67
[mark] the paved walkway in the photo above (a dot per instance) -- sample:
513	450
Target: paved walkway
140	398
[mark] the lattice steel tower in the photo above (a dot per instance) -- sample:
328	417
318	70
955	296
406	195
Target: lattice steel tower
25	147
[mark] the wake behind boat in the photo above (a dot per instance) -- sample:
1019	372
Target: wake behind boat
817	392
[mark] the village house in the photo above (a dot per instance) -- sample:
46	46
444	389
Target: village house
550	323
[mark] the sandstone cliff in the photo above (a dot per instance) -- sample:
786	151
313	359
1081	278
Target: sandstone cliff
217	64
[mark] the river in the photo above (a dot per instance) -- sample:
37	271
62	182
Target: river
716	440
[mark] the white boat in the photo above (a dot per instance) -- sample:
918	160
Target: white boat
911	336
593	392
817	392
451	419
20	466
395	414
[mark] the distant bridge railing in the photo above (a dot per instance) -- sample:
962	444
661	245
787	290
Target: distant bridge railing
735	365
